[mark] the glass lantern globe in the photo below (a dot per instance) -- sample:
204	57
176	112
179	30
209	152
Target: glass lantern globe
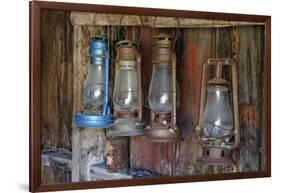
125	96
93	92
217	116
160	90
163	94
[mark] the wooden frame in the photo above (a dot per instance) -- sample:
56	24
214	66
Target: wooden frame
35	94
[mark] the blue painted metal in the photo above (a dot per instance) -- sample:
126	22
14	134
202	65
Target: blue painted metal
98	55
93	121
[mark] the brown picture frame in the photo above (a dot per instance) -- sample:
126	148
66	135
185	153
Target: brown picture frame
36	7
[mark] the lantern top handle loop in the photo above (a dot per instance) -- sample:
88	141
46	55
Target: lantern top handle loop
126	42
140	34
177	30
99	37
108	31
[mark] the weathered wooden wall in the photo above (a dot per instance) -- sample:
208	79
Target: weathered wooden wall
251	98
56	166
64	68
57	78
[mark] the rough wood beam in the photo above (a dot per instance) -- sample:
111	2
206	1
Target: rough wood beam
87	18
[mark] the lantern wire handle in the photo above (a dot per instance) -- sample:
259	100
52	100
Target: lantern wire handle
153	27
177	33
119	26
108	58
141	29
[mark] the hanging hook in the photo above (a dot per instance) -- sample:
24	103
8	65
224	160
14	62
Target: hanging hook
177	33
153	27
139	41
120	23
119	26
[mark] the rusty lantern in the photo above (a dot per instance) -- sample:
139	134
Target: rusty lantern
127	95
218	127
162	96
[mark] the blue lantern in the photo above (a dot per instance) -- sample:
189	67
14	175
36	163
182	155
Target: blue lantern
96	113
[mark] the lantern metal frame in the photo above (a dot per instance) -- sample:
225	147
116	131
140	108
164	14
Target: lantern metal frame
131	125
128	123
219	151
163	126
105	118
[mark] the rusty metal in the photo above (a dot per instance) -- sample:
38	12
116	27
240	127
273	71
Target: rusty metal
159	133
235	39
163	127
128	123
212	147
117	156
216	156
127	51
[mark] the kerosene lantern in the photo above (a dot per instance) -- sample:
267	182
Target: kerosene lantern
218	127
127	95
96	112
162	96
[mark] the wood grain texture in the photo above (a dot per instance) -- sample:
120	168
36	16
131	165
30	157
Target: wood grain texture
56	168
57	79
88	148
117	154
251	97
90	18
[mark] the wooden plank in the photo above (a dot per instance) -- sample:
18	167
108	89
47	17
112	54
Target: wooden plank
251	97
198	46
57	91
154	157
88	148
56	166
117	154
89	18
100	172
223	43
